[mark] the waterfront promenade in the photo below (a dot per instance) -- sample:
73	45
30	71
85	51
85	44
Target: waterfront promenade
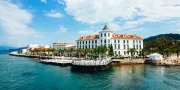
59	62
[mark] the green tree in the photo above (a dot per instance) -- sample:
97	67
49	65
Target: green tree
111	51
71	50
85	52
132	51
79	51
60	52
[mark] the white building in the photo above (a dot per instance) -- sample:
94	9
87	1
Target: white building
63	46
120	42
33	46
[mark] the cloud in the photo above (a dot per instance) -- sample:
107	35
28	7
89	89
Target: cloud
61	2
87	32
54	14
114	26
44	1
14	22
62	29
178	30
135	11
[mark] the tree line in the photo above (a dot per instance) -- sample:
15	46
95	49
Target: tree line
163	45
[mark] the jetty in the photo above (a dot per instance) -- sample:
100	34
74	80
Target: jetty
58	62
91	65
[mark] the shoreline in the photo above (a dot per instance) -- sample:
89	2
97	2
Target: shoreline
115	62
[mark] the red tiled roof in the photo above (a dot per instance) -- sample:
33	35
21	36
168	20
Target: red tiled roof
126	36
91	37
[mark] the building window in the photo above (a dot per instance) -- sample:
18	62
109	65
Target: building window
86	42
119	52
124	46
101	41
127	41
139	41
104	34
114	40
128	46
86	46
115	52
133	46
118	46
95	41
101	34
108	34
118	41
89	46
139	46
124	41
105	41
114	46
124	52
133	41
83	42
92	41
89	41
109	40
92	46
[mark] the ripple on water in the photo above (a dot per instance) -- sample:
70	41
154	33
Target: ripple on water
172	77
28	74
171	84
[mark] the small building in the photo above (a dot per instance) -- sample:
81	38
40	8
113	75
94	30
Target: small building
62	46
32	46
155	56
24	51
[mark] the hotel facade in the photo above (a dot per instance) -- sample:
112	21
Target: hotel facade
120	42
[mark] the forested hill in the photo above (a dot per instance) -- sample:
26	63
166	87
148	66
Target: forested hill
173	36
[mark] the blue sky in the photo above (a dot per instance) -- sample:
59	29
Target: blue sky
24	22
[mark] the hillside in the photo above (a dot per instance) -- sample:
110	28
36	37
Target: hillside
173	36
6	47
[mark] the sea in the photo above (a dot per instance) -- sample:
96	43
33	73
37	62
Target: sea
20	73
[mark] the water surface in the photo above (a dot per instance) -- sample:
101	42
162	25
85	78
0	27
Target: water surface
18	73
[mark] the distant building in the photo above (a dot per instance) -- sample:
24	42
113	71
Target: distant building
33	46
63	46
120	42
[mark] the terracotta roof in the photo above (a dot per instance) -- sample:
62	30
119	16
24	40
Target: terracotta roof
90	37
126	36
61	44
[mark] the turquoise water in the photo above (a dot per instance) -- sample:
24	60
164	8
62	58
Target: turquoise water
18	73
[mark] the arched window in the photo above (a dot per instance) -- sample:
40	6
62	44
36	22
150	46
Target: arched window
104	34
105	41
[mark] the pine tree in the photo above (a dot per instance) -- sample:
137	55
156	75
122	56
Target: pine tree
111	51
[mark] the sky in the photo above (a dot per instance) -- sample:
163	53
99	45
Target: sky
24	22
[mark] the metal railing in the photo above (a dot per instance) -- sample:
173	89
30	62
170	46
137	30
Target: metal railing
92	62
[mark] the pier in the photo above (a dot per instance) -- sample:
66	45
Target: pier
91	65
58	62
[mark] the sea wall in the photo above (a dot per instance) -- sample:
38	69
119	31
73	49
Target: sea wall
128	62
163	62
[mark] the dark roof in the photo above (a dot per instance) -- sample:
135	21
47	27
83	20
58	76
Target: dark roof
105	27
